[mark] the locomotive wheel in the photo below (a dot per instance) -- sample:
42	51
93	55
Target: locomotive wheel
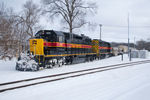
53	64
60	64
88	59
91	59
49	66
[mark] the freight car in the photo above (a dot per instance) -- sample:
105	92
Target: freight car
50	48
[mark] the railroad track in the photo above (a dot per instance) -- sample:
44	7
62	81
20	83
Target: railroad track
51	78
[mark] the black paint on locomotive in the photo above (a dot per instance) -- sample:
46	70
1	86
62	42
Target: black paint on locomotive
64	37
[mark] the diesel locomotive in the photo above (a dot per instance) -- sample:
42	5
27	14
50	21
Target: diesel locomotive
51	48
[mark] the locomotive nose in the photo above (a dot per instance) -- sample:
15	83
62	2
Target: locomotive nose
36	46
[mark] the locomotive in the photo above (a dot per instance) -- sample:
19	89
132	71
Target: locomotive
49	48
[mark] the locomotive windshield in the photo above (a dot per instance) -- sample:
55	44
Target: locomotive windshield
47	35
39	34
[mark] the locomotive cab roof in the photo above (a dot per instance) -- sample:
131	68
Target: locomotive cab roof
58	33
48	32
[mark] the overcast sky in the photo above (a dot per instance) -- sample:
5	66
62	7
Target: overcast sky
113	15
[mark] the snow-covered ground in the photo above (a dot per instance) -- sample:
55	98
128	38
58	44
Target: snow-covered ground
130	83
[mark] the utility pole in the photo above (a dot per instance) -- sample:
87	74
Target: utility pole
128	36
134	42
129	50
100	25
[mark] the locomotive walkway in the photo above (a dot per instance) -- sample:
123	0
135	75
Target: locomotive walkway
51	78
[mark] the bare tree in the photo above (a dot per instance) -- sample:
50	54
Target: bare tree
16	29
30	17
72	12
143	45
27	24
8	41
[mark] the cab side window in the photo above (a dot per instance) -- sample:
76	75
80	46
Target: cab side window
60	39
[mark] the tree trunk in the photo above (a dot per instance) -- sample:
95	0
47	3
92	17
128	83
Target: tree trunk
70	29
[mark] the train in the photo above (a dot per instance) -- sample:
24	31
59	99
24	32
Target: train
50	48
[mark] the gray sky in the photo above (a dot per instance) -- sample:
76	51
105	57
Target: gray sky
112	14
